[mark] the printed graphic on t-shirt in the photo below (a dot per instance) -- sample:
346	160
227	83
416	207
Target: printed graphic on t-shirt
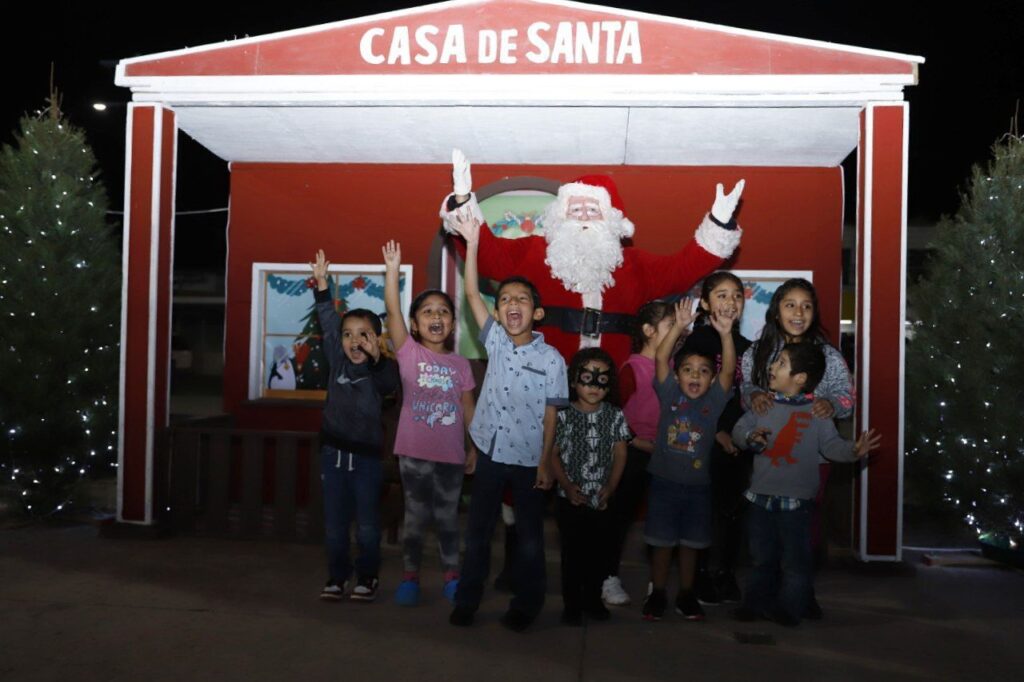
435	410
781	451
683	434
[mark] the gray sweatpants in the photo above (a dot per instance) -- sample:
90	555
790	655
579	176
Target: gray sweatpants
432	491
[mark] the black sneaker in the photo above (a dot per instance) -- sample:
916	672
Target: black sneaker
655	605
688	607
728	589
461	617
516	620
333	591
704	588
365	590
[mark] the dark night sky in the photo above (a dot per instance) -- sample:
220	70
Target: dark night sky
969	85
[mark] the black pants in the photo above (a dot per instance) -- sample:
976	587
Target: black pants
528	575
623	505
585	537
730	477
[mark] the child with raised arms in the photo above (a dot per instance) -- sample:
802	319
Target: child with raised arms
351	438
640	407
514	429
691	397
437	403
722	294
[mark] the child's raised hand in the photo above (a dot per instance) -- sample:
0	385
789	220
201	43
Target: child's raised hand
467	225
761	402
868	441
684	313
822	408
721	323
369	342
392	252
320	266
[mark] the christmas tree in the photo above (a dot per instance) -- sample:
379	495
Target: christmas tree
311	370
60	284
965	377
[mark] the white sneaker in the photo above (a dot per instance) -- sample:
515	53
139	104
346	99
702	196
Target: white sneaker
612	593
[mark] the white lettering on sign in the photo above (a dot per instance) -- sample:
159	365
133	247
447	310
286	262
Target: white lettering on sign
580	42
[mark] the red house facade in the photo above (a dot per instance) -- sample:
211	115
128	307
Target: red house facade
339	136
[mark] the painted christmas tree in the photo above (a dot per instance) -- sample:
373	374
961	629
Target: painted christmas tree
60	285
965	371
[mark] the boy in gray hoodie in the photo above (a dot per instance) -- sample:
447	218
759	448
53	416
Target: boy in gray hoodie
784	483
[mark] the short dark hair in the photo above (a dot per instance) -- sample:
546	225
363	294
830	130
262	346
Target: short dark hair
519	279
687	351
365	314
808	358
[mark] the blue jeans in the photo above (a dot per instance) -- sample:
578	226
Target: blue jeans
528	571
780	546
351	491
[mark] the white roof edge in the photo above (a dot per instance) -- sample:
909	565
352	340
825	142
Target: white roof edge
563	3
570	84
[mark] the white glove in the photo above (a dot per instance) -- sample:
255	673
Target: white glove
725	204
462	179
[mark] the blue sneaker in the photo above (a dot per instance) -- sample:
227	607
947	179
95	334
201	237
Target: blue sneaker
450	588
408	593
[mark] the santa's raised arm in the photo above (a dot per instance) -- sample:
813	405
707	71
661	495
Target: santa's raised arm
590	285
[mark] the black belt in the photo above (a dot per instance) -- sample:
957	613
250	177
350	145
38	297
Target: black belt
588	321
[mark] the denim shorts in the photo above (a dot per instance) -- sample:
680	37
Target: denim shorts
678	514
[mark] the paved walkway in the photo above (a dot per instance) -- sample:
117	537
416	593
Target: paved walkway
74	606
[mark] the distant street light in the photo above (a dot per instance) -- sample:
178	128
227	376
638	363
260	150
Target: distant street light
99	106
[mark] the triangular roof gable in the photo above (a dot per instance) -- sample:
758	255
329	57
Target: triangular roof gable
520	37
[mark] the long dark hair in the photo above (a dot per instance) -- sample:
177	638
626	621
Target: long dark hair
710	282
773	337
650	313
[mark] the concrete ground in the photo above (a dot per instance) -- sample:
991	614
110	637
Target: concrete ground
74	606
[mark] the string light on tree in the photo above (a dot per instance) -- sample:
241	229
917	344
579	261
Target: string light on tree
60	287
965	379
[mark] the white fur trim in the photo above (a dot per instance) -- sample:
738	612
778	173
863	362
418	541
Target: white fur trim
580	189
716	240
626	228
448	217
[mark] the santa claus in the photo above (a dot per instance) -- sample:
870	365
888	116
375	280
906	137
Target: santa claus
590	285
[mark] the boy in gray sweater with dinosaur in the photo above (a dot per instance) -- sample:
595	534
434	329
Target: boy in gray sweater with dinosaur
784	483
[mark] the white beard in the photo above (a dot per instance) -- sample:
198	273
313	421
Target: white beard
582	259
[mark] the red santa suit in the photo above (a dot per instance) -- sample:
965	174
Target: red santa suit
641	277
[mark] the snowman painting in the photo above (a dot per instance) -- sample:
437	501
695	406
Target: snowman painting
282	373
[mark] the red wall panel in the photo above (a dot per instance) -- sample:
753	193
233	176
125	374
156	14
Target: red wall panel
792	219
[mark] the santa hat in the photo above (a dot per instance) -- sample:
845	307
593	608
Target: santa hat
602	189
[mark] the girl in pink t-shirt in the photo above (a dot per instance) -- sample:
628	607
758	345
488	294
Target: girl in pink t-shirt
437	404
